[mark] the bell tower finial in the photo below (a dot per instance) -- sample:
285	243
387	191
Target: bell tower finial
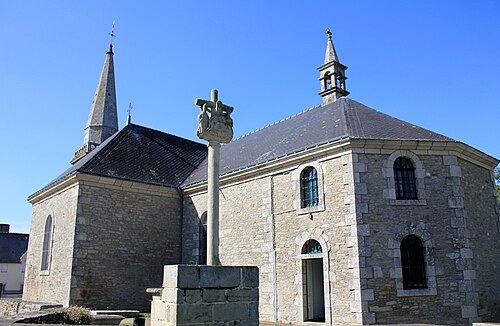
332	74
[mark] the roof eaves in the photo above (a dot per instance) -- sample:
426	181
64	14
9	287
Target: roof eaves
331	141
130	179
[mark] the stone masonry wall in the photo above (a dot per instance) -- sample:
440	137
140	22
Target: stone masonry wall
124	236
482	221
331	227
207	295
434	217
245	238
261	223
52	286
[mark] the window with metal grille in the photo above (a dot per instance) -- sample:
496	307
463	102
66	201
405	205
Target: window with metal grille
413	263
309	187
404	179
47	244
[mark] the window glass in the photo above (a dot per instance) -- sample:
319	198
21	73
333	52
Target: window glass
404	179
309	187
47	244
312	247
413	263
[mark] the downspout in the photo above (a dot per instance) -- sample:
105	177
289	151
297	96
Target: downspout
181	222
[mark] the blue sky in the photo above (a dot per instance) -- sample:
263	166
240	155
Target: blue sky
431	63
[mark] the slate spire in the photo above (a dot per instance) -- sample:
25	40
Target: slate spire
103	117
332	74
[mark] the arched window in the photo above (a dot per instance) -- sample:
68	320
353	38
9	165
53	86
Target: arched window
404	179
202	240
312	247
413	263
309	187
47	244
328	80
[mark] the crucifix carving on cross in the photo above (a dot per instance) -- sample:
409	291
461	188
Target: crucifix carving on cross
214	119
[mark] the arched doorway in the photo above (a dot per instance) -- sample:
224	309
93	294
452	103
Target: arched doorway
313	288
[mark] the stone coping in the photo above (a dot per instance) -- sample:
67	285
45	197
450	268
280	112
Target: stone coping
124	313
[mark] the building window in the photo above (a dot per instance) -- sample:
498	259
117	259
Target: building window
47	244
413	263
202	239
404	179
4	268
312	247
309	187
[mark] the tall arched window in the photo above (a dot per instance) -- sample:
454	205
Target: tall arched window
309	187
413	263
47	244
404	179
202	240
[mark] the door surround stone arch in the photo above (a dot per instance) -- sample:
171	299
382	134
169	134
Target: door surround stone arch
300	241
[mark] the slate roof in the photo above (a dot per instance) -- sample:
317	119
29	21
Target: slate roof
150	156
344	118
12	247
141	154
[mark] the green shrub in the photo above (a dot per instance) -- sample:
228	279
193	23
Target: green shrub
76	315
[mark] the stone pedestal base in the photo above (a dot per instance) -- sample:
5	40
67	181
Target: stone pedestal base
209	295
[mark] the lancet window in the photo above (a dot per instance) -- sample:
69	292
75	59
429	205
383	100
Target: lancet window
47	244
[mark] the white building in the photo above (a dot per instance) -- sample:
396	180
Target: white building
13	248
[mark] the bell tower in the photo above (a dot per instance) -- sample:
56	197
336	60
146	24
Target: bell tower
103	117
332	74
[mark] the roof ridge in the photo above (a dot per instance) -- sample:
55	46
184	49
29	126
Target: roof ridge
106	148
276	122
165	133
412	124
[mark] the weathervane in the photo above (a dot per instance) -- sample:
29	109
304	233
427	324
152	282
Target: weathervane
129	111
112	33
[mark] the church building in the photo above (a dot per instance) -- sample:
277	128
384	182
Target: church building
353	217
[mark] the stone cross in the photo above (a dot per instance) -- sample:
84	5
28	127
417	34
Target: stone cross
216	126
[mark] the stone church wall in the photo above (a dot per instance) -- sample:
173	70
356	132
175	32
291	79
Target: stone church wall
390	221
482	221
54	285
124	237
244	231
437	217
265	210
331	226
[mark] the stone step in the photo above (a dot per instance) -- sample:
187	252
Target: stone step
124	313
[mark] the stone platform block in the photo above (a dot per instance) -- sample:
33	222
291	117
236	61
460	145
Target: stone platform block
206	295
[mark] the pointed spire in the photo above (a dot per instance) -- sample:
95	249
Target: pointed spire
332	74
331	54
103	118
